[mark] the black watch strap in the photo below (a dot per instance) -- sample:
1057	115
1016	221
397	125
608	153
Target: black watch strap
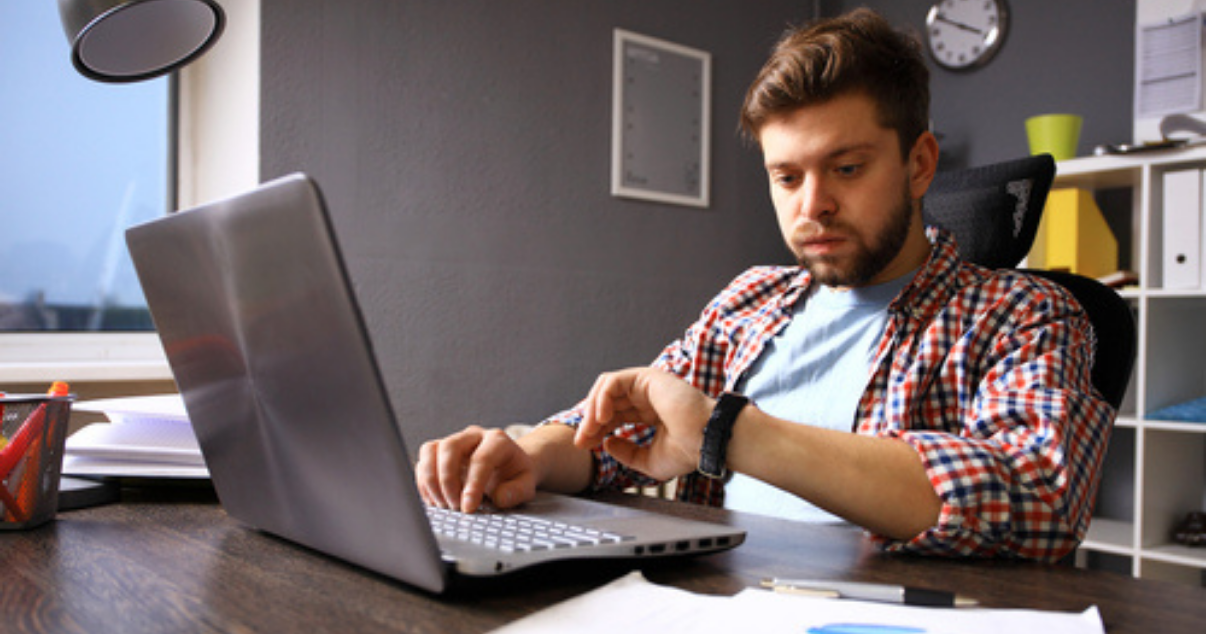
713	454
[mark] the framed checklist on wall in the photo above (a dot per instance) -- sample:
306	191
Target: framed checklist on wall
661	117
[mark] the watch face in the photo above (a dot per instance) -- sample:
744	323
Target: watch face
965	34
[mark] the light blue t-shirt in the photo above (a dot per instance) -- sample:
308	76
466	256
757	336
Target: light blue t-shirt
814	372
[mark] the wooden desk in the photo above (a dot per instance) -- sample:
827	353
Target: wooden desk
151	564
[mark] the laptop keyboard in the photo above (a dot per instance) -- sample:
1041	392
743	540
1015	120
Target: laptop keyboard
513	532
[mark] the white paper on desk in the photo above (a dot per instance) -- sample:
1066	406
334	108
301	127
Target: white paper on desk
147	436
160	441
632	605
157	407
628	605
768	612
102	468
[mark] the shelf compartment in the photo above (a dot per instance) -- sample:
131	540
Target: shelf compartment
1110	536
1113	523
1174	483
1173	363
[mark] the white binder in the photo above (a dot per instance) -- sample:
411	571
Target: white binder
1182	248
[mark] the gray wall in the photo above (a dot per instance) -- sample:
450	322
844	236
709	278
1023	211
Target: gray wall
464	149
1061	56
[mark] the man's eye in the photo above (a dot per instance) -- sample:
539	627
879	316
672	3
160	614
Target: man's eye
785	180
849	170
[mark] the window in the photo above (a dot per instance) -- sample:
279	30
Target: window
79	268
81	161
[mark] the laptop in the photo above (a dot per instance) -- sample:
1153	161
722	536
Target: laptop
266	342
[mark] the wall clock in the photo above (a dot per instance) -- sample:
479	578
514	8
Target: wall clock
965	34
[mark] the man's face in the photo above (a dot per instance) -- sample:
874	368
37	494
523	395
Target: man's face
843	194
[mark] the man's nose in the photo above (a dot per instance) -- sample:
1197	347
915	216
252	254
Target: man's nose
816	201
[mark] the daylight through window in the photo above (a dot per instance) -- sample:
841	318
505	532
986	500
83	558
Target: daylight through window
81	162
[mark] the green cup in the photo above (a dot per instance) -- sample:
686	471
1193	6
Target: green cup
1054	134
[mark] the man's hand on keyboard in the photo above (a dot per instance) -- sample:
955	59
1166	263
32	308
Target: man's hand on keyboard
461	470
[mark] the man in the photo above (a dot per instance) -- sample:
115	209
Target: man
976	429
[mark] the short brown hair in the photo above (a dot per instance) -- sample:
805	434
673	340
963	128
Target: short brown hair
856	52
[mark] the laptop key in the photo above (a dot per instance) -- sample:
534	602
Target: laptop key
516	532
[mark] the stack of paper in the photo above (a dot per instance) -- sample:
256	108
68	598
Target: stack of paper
146	436
648	607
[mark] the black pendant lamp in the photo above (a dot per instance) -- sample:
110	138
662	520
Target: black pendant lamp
132	40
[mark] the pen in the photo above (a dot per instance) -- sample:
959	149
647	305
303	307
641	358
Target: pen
883	593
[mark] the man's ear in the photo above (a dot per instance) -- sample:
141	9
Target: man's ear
923	164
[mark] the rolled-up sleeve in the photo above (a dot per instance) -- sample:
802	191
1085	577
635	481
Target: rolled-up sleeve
1014	437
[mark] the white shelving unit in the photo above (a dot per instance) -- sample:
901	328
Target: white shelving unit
1154	472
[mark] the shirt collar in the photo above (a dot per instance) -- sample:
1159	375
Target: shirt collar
934	284
930	287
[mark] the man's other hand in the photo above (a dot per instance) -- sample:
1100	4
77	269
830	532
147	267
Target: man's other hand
461	470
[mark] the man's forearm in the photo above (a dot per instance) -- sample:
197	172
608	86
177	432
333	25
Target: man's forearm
560	466
877	483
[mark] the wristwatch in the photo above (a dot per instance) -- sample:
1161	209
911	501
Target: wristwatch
712	455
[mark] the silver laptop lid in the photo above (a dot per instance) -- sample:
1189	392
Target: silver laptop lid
261	327
255	312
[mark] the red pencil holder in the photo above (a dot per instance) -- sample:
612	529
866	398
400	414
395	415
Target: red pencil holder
32	437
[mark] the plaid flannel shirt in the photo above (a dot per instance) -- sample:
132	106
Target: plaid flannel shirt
984	373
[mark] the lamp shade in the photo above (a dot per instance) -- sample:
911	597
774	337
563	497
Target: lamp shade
131	40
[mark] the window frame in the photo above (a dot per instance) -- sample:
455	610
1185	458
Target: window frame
81	356
213	152
43	356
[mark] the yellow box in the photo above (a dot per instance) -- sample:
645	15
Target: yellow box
1073	236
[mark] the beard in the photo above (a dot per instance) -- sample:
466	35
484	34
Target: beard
869	260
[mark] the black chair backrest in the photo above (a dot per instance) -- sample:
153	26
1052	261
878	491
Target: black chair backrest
1113	323
993	210
994	213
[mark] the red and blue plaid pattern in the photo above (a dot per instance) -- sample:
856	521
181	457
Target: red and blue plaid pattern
985	373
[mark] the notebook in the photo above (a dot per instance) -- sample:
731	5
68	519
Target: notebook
260	325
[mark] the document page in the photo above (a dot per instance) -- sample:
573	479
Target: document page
147	436
1168	71
633	605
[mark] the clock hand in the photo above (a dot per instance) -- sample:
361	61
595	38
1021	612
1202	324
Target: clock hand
958	25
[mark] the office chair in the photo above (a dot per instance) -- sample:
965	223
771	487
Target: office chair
994	213
993	210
